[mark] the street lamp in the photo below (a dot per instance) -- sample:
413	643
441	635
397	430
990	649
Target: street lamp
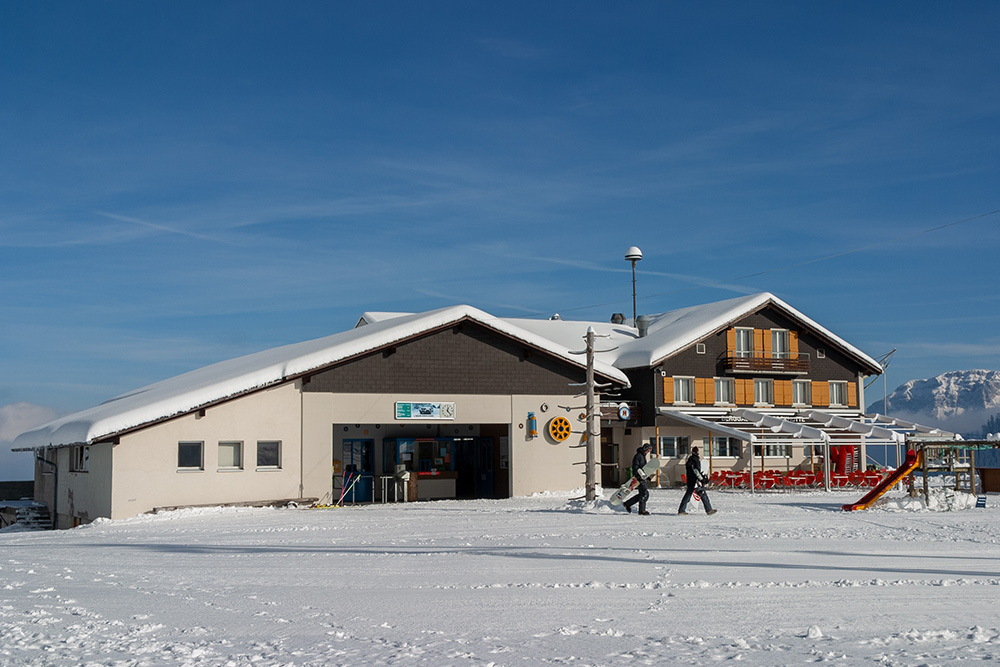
633	255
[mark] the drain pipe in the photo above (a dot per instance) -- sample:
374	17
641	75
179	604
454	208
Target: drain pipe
55	486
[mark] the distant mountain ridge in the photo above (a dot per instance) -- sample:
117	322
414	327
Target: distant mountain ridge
958	401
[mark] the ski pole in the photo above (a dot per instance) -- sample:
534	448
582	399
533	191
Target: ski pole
356	478
343	491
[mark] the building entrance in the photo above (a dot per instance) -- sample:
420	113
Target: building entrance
474	465
359	470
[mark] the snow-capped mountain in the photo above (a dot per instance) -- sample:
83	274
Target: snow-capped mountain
959	401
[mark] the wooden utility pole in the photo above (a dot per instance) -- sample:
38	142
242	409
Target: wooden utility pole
591	436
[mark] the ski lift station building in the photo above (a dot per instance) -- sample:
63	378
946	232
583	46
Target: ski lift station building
465	405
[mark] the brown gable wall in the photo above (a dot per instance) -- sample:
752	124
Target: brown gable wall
836	365
465	359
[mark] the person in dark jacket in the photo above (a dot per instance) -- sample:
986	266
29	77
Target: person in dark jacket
638	463
695	483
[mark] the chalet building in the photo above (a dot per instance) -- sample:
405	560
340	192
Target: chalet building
457	403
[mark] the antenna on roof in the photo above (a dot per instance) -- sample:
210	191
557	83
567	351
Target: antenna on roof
883	361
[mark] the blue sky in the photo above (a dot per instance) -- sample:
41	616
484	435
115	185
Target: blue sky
186	182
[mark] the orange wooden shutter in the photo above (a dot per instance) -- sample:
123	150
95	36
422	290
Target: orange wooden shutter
852	394
668	389
768	341
793	344
821	393
744	391
782	392
731	340
758	342
704	391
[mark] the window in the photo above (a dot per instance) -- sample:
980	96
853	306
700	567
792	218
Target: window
671	447
231	455
49	456
838	393
724	446
763	392
79	459
699	348
190	456
683	390
801	392
744	342
268	454
725	391
773	450
779	344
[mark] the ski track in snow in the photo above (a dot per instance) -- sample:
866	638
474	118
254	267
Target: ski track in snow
771	580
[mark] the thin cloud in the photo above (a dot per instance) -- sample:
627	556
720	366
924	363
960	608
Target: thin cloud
160	227
17	418
955	349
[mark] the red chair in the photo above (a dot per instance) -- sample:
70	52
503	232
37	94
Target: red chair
873	479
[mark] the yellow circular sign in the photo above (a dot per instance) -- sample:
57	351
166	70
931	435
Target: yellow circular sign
559	428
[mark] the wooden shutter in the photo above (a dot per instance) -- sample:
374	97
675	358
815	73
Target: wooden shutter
821	393
744	391
668	389
782	392
704	391
852	394
731	341
758	343
767	339
793	344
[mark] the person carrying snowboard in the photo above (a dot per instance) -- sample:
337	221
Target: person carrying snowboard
638	463
695	483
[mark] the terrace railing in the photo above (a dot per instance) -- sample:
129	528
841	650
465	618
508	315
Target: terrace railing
767	362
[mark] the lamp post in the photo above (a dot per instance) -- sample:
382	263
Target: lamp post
633	255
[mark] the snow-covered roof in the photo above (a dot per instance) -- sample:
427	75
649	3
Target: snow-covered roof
676	330
619	346
211	384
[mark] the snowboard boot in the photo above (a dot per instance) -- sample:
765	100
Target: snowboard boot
682	513
711	512
644	512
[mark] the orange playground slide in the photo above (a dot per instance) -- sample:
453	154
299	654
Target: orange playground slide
912	461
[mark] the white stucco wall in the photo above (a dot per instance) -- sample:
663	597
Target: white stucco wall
145	472
541	463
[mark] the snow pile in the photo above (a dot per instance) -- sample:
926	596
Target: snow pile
939	500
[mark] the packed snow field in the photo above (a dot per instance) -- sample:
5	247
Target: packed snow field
772	579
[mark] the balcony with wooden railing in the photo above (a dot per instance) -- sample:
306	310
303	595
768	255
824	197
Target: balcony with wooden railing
766	362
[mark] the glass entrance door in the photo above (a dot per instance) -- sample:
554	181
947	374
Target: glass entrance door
359	473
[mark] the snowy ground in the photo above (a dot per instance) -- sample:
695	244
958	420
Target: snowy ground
772	579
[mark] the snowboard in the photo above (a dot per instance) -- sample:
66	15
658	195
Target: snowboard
626	489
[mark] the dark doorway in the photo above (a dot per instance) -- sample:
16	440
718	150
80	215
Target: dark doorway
610	476
474	465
